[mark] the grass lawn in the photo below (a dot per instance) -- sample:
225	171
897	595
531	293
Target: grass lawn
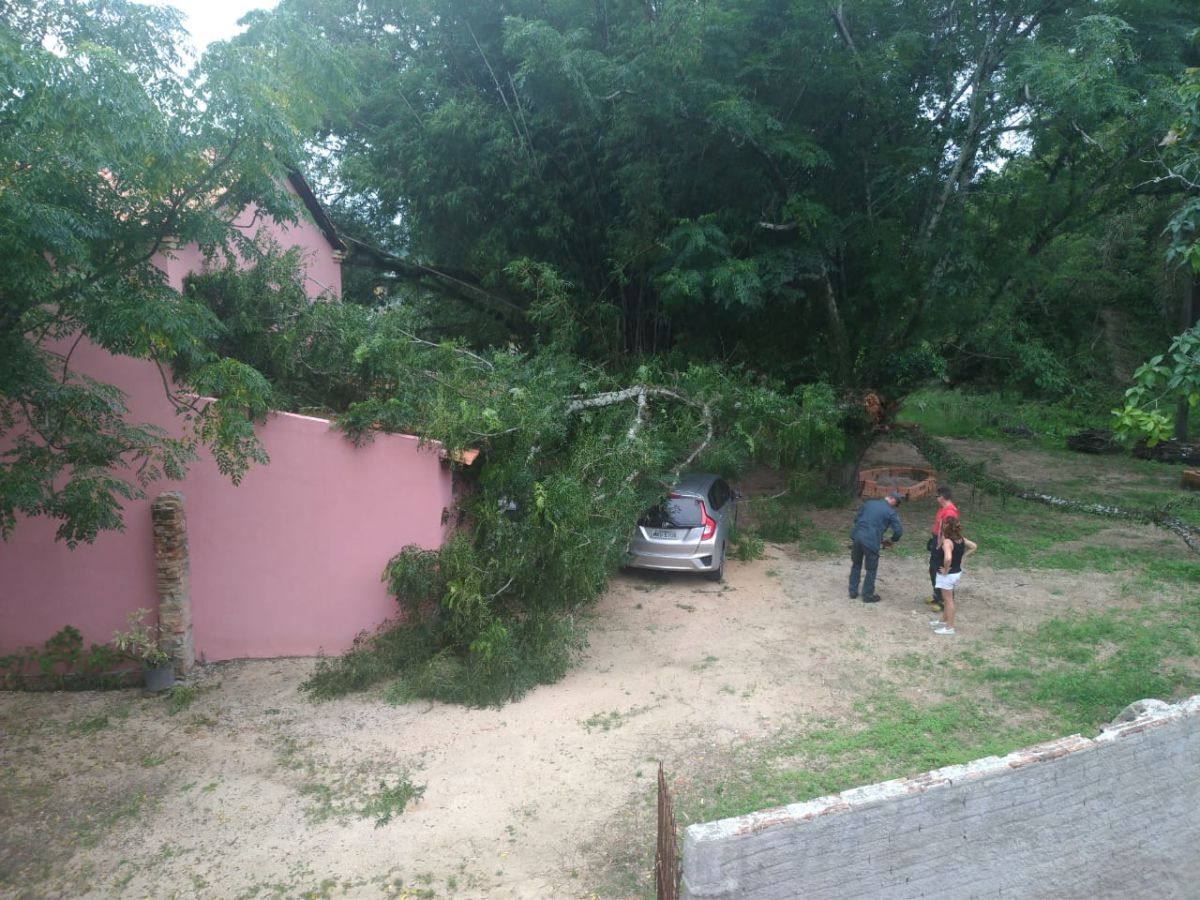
1070	674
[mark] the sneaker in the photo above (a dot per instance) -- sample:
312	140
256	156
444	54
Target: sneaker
854	595
939	607
943	630
871	598
932	601
936	622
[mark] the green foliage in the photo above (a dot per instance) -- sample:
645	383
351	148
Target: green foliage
503	663
570	455
390	801
746	546
141	642
1161	380
811	198
62	663
997	415
180	697
108	156
1182	167
265	320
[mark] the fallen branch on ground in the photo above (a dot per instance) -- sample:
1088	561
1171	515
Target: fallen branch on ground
950	463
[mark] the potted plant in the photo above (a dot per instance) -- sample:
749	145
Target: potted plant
141	644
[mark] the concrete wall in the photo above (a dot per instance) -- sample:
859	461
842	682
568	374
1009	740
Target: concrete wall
1118	816
286	563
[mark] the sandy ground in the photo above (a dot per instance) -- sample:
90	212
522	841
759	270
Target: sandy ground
518	802
110	795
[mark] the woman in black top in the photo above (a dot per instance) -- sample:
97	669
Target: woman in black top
955	548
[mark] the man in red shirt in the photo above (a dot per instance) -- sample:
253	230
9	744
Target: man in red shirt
946	509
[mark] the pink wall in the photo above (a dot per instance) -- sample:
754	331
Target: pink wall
322	264
287	563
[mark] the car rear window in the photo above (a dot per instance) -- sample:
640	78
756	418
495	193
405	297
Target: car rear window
676	512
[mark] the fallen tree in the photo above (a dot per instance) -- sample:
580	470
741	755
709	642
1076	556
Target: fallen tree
958	469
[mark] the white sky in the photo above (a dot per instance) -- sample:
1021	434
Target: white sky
214	20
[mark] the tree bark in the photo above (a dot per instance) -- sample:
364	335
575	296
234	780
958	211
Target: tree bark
1189	315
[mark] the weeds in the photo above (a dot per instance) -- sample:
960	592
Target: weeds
88	726
607	721
62	664
346	797
749	547
390	801
180	697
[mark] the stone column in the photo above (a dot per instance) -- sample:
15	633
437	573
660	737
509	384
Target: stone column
172	580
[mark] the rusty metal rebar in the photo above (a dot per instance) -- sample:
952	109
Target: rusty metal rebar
666	856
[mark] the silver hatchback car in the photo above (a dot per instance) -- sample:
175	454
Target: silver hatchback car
688	530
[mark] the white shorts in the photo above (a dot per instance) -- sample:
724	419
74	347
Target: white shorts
947	582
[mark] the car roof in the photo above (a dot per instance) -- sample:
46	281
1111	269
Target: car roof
695	482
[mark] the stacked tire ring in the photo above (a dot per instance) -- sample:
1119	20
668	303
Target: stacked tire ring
910	482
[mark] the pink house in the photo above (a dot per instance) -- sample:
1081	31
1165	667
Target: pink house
287	563
313	234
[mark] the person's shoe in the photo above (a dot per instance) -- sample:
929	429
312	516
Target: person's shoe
871	598
936	622
854	595
932	601
945	629
939	607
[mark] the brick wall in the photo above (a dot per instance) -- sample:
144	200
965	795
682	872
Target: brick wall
1114	816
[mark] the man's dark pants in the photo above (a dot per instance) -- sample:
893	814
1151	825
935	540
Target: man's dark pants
860	552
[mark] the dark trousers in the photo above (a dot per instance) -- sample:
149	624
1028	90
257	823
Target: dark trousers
860	553
935	563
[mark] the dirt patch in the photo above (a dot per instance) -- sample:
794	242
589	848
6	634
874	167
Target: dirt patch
253	791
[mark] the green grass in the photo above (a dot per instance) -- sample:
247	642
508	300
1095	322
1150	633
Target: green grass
1084	669
1069	675
88	726
181	696
895	737
954	413
784	520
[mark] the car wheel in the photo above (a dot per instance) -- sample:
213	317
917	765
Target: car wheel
718	573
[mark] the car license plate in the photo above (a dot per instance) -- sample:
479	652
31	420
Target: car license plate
661	534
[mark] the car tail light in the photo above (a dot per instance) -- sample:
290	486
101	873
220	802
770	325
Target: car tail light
710	524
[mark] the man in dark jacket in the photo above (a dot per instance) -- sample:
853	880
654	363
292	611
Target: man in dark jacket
866	536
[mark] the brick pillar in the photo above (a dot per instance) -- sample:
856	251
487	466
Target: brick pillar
171	578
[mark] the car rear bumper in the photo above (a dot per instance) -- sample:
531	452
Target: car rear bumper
666	563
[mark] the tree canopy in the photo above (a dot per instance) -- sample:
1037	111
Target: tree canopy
108	155
812	189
